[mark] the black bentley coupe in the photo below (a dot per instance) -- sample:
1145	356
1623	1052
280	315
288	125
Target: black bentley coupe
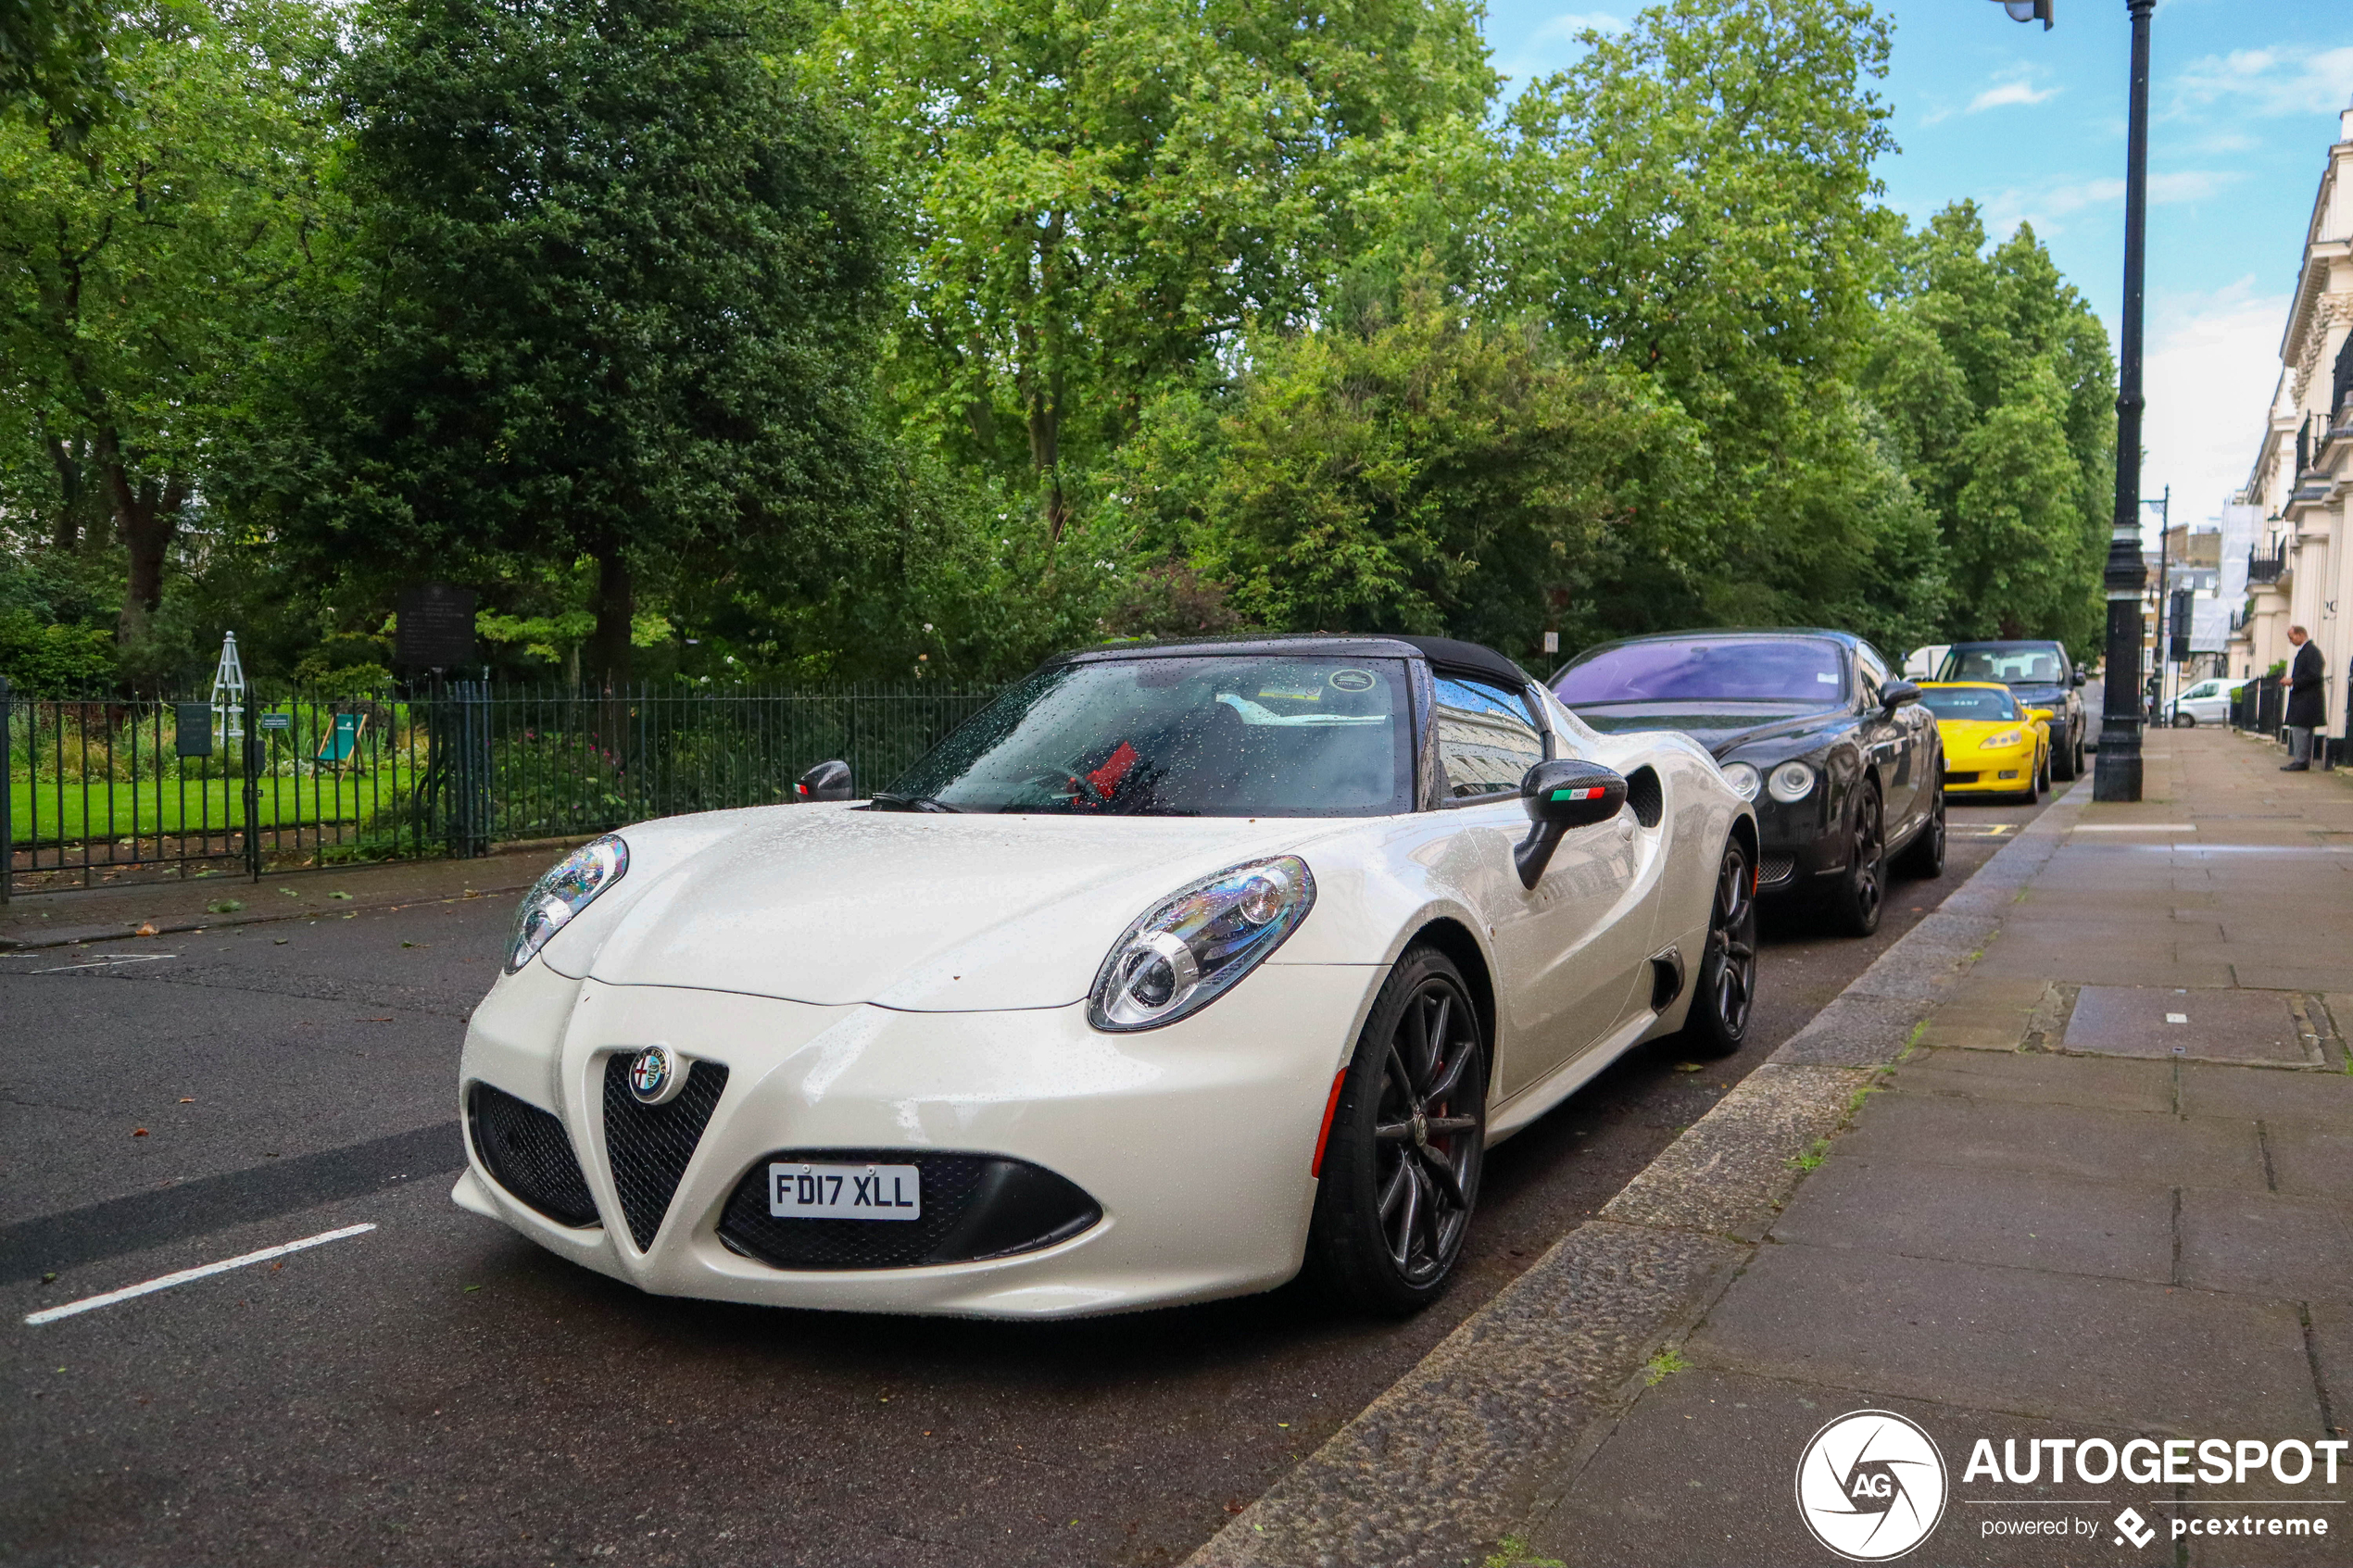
1844	764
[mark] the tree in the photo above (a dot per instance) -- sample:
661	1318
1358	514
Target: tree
1411	471
1103	194
607	290
145	255
1996	381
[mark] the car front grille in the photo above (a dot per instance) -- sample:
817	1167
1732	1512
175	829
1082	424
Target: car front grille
1953	778
975	1206
527	1152
1771	869
649	1145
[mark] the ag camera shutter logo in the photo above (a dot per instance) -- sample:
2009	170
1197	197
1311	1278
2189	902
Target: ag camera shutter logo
1872	1485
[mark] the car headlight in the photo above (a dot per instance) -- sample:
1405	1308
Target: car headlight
1193	947
566	890
2007	738
1743	779
1791	780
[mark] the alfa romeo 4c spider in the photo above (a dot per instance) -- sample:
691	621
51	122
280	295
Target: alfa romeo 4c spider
1178	970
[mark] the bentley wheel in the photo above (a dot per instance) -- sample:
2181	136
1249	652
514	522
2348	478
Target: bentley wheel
1400	1166
1726	984
1924	857
1855	902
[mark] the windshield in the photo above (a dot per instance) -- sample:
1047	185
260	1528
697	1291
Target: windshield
1225	735
1779	670
2020	666
1968	702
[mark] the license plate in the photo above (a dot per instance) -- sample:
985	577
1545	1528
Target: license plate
845	1192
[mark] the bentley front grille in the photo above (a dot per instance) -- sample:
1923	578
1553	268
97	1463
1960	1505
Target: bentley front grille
649	1145
1771	869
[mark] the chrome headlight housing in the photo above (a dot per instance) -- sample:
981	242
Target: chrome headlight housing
567	888
1791	782
1745	779
1193	947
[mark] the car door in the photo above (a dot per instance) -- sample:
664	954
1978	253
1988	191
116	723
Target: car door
1891	740
1564	950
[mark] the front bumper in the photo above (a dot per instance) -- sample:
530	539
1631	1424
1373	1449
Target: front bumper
1991	772
1194	1140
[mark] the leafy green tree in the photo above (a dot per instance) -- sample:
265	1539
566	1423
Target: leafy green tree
1996	384
143	255
608	284
53	58
1414	471
1103	194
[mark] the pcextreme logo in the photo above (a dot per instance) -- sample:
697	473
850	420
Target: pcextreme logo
1872	1485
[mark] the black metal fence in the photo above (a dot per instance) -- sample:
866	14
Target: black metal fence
100	790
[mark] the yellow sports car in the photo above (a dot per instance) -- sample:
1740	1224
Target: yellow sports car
1994	745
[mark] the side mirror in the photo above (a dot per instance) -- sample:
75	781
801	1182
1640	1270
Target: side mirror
2079	679
1895	694
826	781
1558	795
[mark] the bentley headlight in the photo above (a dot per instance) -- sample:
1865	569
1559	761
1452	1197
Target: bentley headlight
2007	738
1791	780
1744	780
1190	949
566	890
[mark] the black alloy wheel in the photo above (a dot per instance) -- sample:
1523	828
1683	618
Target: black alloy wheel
1924	857
1726	989
1399	1177
1855	901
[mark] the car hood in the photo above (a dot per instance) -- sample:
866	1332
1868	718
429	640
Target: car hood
1717	726
924	912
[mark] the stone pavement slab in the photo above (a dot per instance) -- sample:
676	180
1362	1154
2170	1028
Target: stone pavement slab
2267	1244
2036	1078
2060	1140
2068	1347
2312	1159
2167	1021
2274	1097
2013	1218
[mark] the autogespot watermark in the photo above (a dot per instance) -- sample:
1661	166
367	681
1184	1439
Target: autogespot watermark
1872	1485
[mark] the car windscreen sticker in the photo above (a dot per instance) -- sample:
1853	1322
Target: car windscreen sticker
1824	678
1351	681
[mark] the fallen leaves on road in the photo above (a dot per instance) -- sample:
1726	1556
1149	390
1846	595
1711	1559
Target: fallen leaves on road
188	1100
1687	1067
385	1019
140	1133
343	895
146	928
225	906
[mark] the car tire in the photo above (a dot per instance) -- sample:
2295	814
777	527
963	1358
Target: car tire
1724	988
2066	759
1924	857
2185	721
1398	1180
2042	778
1856	900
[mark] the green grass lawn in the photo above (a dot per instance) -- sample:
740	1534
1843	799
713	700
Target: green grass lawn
148	807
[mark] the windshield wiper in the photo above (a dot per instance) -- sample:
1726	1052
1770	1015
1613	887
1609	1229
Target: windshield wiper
888	802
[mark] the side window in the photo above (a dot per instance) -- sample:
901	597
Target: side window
1874	669
1485	742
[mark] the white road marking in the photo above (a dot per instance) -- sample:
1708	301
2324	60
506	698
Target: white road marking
91	1303
106	963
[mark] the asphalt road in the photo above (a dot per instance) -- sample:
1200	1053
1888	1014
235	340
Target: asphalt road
437	1390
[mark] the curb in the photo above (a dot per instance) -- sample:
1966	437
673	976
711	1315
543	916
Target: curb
1472	1441
168	926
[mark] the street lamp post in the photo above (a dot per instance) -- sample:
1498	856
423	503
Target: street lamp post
2117	774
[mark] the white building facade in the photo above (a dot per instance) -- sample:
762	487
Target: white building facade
2300	567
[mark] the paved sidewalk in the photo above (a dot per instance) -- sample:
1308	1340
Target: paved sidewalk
2108	1194
112	912
1995	1186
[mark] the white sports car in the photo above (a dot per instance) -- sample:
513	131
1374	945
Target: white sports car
1178	969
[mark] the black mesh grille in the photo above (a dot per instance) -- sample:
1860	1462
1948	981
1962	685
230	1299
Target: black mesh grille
1953	778
1771	869
649	1145
974	1206
527	1152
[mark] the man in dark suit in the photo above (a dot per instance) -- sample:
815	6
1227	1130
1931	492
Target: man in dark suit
2304	715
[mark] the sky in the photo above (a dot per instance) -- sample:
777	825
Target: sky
2244	99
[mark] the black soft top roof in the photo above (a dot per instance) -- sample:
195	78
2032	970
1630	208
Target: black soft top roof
1443	653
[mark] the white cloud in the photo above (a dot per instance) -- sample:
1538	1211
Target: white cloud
2278	81
2213	361
2009	93
2044	207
